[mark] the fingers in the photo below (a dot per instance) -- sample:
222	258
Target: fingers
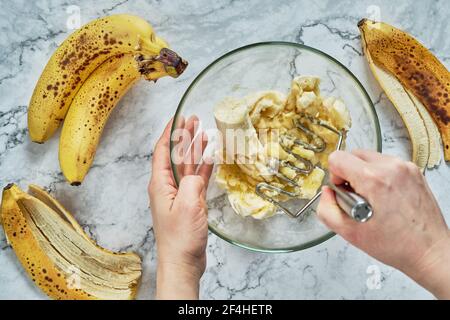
205	171
367	155
192	125
194	154
181	140
162	182
371	156
186	145
336	180
194	145
344	166
332	216
187	153
161	154
198	165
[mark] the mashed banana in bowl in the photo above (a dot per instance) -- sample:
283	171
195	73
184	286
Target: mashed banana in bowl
257	131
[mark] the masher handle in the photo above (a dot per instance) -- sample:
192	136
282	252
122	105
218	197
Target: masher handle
352	203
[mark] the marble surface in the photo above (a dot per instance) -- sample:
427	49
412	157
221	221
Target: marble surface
112	203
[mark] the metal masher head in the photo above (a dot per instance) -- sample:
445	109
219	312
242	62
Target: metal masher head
316	144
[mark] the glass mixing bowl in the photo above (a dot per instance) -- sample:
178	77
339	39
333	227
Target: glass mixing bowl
272	66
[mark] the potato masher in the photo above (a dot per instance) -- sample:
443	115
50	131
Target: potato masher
349	201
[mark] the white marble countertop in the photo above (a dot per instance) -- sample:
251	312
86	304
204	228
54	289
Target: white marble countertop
112	203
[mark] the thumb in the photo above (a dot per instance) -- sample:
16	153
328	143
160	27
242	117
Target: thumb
332	216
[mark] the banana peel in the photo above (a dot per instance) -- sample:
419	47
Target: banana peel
56	253
423	77
411	117
434	137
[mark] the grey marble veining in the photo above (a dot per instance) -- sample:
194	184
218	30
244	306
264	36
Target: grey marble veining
112	203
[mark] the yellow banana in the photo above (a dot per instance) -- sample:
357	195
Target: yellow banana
77	57
94	103
91	108
419	72
58	256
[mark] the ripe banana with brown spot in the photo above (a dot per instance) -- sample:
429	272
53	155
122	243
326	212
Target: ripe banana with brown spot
77	57
424	79
93	105
58	256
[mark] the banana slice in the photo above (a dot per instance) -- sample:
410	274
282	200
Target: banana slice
418	71
234	119
304	91
240	140
312	183
250	204
58	256
339	114
265	104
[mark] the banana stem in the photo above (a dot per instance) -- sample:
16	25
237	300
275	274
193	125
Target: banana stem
167	61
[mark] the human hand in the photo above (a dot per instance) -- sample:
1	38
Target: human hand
179	214
407	230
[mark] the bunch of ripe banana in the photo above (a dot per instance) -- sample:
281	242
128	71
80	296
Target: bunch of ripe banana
417	84
85	79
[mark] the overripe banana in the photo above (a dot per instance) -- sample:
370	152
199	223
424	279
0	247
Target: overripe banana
58	256
78	56
92	106
424	79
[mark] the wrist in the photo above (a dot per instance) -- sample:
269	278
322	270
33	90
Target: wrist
173	258
181	269
177	281
432	270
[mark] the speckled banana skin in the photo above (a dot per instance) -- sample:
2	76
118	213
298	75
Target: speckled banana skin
58	256
95	101
401	63
76	58
89	113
